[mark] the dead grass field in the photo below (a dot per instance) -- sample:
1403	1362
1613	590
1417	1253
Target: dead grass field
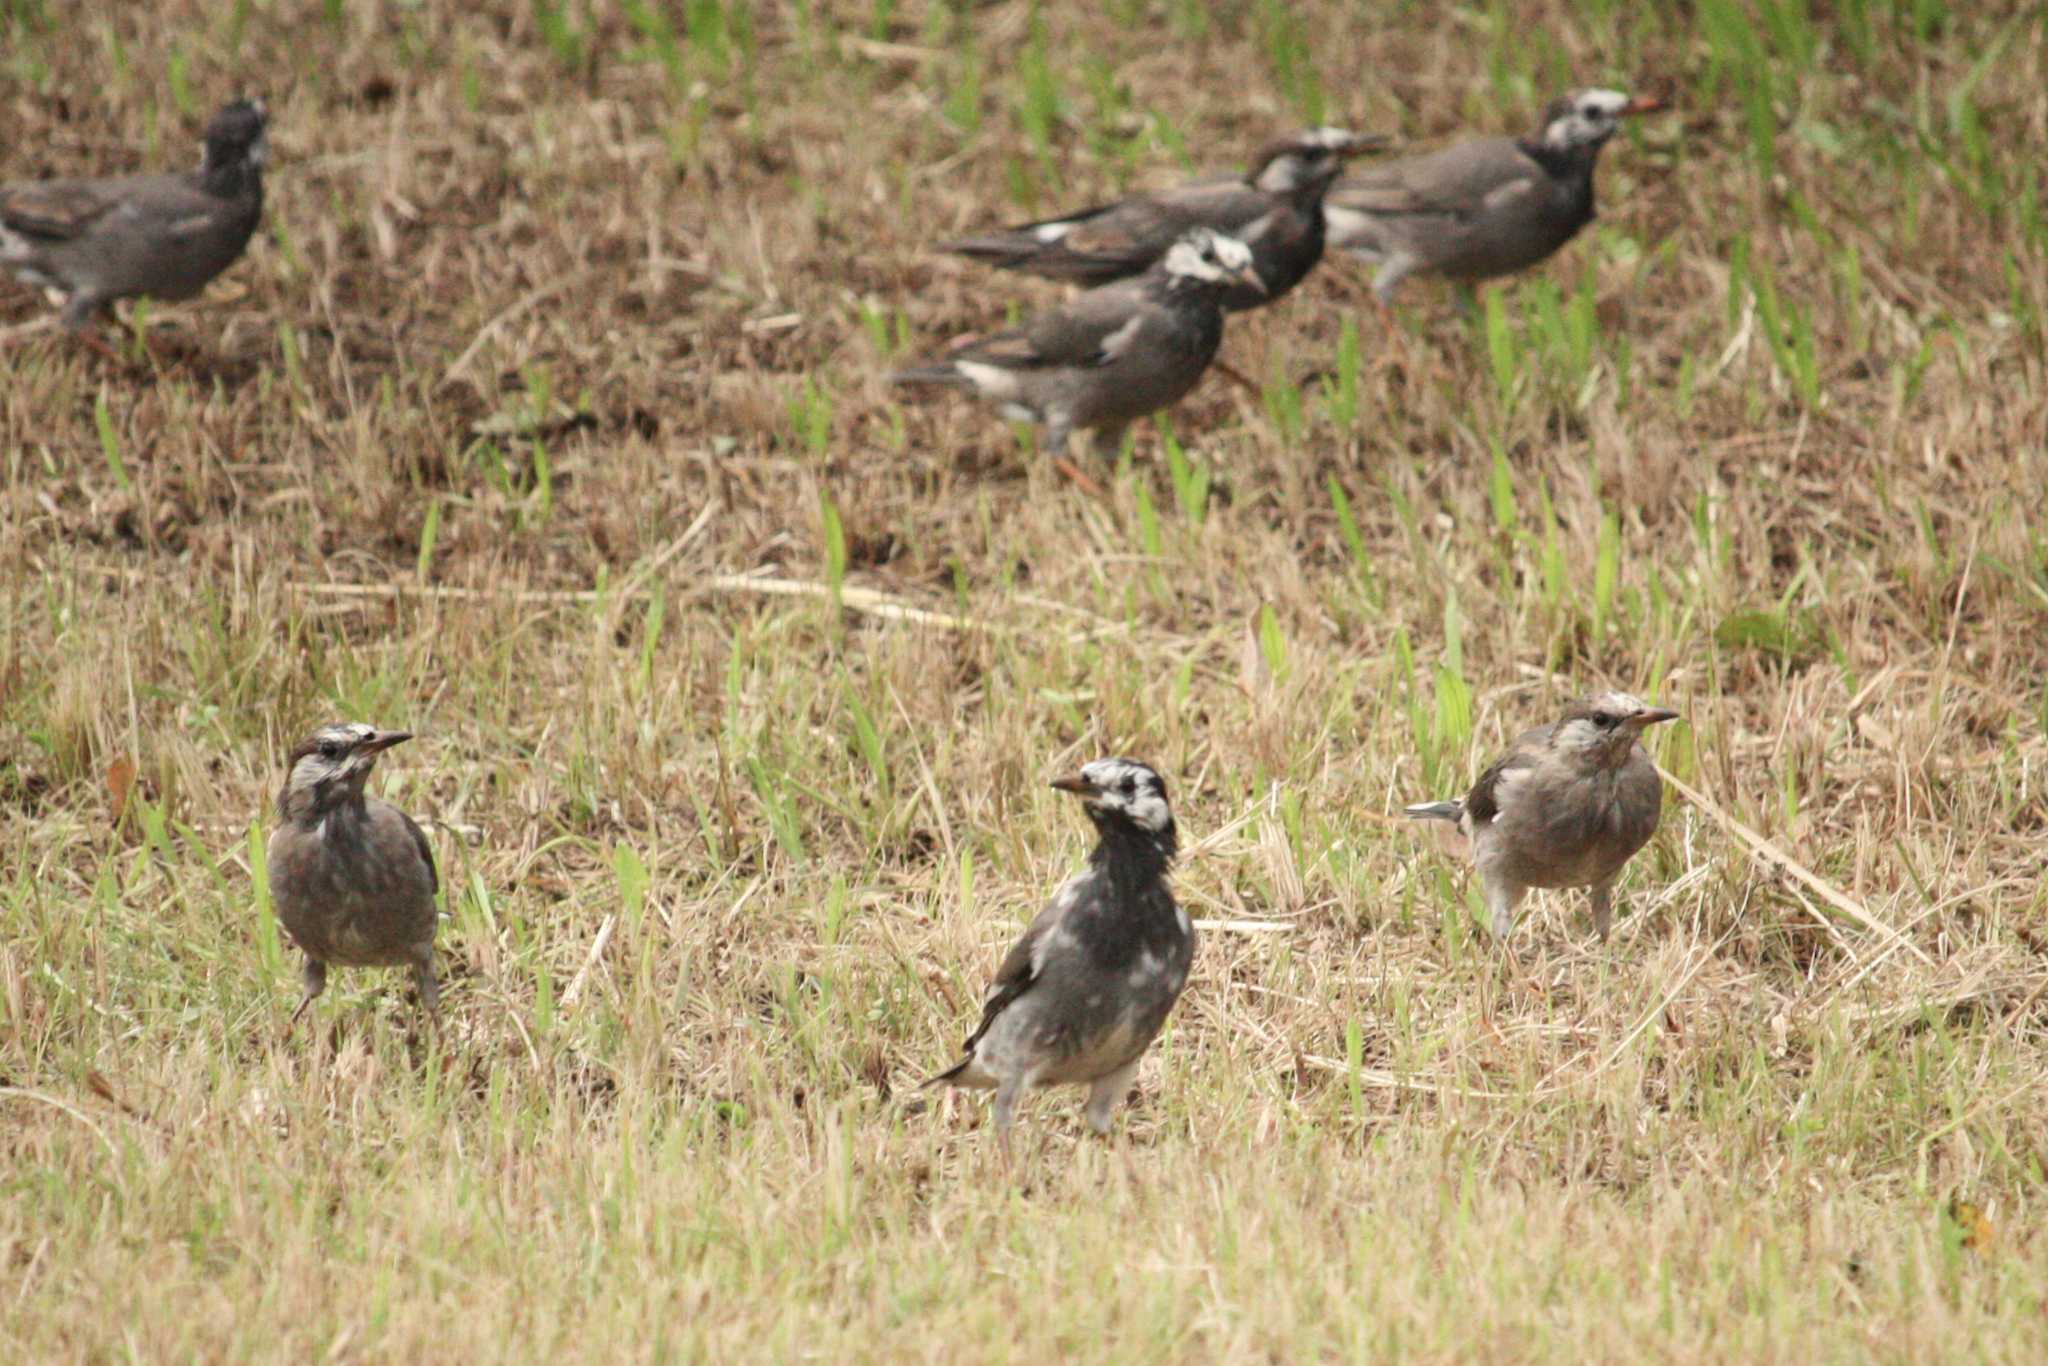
560	351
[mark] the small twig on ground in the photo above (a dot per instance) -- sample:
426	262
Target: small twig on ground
1771	853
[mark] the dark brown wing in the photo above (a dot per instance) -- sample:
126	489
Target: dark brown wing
57	210
419	839
1134	233
1115	241
1078	335
1015	974
1456	182
1482	802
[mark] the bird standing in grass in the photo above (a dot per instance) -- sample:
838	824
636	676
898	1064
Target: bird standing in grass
1276	209
1084	992
1109	356
1567	806
1483	208
352	876
165	236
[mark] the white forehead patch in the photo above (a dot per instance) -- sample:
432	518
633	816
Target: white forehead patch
1189	258
1234	254
1589	118
1130	787
1617	704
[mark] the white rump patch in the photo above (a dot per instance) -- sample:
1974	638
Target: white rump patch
992	380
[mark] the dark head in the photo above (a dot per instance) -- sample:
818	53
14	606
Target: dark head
1204	259
1604	729
1585	119
1125	799
236	140
330	765
1308	160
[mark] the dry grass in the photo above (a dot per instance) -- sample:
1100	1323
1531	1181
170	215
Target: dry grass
563	334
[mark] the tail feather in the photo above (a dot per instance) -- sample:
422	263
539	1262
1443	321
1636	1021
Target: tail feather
1451	811
1051	259
1004	251
943	374
952	1073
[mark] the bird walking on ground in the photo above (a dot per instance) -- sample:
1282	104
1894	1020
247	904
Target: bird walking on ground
1275	208
1084	992
94	241
1483	208
1567	806
1109	356
352	876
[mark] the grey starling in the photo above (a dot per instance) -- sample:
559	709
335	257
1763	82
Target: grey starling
1276	209
352	876
166	236
1108	356
1084	992
1483	208
1567	806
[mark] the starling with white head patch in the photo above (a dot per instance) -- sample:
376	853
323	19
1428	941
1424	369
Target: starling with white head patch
164	236
352	876
1567	806
1086	989
1483	208
1109	356
1276	209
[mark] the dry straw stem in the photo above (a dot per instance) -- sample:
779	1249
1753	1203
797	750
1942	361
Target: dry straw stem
516	427
1772	854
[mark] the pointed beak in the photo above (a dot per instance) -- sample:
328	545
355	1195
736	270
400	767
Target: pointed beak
383	740
1653	716
1248	276
1076	784
1644	104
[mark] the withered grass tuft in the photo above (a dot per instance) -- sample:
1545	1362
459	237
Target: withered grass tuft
544	419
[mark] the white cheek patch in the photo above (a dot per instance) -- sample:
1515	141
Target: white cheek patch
1282	174
1234	254
1051	232
1185	259
1148	809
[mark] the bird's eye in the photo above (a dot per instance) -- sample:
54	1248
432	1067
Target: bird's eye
1607	721
330	749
